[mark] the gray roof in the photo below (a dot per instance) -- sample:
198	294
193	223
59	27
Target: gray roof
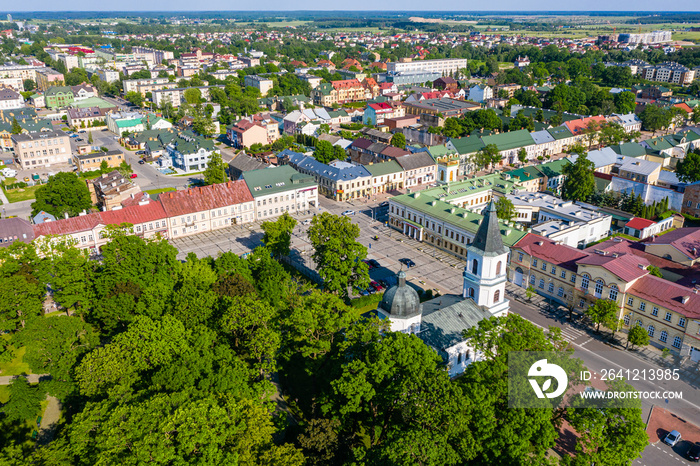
38	135
639	166
401	300
668	177
417	160
338	171
488	236
600	158
444	319
542	137
15	229
244	162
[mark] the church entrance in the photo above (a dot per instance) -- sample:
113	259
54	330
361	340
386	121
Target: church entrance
518	278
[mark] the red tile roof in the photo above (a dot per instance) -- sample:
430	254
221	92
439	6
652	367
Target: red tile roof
361	143
133	214
639	223
667	294
559	254
346	84
202	198
626	266
581	125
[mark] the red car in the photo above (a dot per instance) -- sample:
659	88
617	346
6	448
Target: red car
134	175
376	286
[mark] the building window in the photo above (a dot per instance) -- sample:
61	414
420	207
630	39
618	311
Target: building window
626	320
663	336
532	279
630	301
534	262
639	323
581	303
560	292
497	296
613	292
475	266
544	266
598	288
655	311
551	288
471	292
520	257
668	317
563	274
584	283
573	278
650	331
542	283
681	322
554	270
498	268
677	342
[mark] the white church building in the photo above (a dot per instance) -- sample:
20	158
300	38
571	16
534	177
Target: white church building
441	321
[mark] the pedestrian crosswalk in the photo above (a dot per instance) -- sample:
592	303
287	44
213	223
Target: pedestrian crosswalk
571	334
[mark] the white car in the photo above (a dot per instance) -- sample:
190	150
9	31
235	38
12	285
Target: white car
9	172
348	213
672	438
306	222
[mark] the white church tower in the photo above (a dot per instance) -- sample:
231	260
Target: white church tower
485	272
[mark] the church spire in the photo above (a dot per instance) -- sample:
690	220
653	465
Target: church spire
488	236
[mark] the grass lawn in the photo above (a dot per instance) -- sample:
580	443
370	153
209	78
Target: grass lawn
4	394
158	191
16	366
22	194
365	303
191	174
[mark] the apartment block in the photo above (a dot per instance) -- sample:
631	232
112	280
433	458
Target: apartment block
41	149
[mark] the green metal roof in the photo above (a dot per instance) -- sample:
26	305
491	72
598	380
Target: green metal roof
126	123
384	168
510	140
560	132
629	149
525	174
266	181
455	216
467	145
553	169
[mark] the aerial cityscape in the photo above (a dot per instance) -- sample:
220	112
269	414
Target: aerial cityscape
349	237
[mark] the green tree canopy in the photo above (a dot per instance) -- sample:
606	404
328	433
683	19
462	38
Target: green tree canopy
215	172
398	140
64	193
278	234
580	182
688	168
337	254
505	210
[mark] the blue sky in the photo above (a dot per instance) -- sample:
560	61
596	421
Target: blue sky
386	5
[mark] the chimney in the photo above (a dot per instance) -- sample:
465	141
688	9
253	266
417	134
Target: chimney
685	299
66	215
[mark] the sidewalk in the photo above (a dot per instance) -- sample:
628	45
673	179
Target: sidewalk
689	370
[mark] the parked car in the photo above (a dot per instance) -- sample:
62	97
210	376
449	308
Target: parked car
82	131
105	129
672	438
140	152
694	453
348	213
407	262
374	263
141	162
384	204
74	136
306	222
384	283
133	175
376	286
368	264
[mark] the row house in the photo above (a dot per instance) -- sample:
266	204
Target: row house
206	208
510	143
340	181
419	168
668	311
376	113
277	190
386	176
91	231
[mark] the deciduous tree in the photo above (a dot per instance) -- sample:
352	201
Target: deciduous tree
278	234
64	193
215	172
580	182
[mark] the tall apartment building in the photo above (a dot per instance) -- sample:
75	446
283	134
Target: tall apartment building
654	37
46	78
132	85
260	83
41	149
442	66
155	55
668	72
176	96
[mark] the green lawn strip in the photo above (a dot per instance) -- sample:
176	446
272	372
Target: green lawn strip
161	190
21	194
16	366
